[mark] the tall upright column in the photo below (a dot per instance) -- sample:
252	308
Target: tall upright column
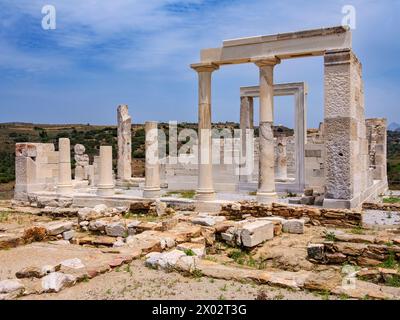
205	189
246	123
152	166
64	185
124	144
106	181
266	180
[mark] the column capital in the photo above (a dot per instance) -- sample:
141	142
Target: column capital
204	67
269	61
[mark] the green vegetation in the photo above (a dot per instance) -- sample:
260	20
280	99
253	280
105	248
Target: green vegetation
391	200
187	194
390	262
393	281
357	230
330	236
189	252
244	258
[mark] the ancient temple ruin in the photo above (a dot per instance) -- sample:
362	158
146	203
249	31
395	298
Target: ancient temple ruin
344	160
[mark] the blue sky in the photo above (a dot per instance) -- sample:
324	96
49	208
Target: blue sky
137	52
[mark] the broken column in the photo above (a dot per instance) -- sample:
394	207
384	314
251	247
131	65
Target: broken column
266	180
377	140
152	165
124	144
64	185
81	163
106	181
246	123
281	158
205	188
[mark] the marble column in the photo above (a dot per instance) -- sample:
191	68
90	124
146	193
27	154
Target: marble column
124	144
246	123
64	185
152	166
106	181
205	190
281	169
266	180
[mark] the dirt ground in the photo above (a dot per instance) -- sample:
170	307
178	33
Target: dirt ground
137	282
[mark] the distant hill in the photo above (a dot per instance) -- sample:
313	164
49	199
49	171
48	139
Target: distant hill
92	137
393	126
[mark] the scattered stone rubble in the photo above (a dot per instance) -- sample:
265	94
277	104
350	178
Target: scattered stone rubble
381	206
362	250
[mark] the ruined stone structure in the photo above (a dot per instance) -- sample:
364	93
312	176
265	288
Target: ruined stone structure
124	145
81	163
345	159
348	181
300	92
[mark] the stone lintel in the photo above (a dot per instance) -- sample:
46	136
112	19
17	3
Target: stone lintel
284	46
286	36
344	56
280	89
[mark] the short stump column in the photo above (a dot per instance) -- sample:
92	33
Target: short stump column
64	185
106	181
152	166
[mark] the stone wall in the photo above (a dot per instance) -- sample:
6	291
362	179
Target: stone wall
36	168
326	217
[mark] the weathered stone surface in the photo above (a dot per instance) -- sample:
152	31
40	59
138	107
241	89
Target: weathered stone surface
335	258
362	289
167	242
30	272
307	200
9	286
165	260
254	233
56	281
351	249
316	251
207	221
295	226
148	241
354	238
55	228
74	263
68	235
116	229
197	249
98	225
323	280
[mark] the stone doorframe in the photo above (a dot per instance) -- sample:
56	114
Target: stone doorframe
300	91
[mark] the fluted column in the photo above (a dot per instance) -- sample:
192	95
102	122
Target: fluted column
106	181
266	181
64	185
152	166
205	189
